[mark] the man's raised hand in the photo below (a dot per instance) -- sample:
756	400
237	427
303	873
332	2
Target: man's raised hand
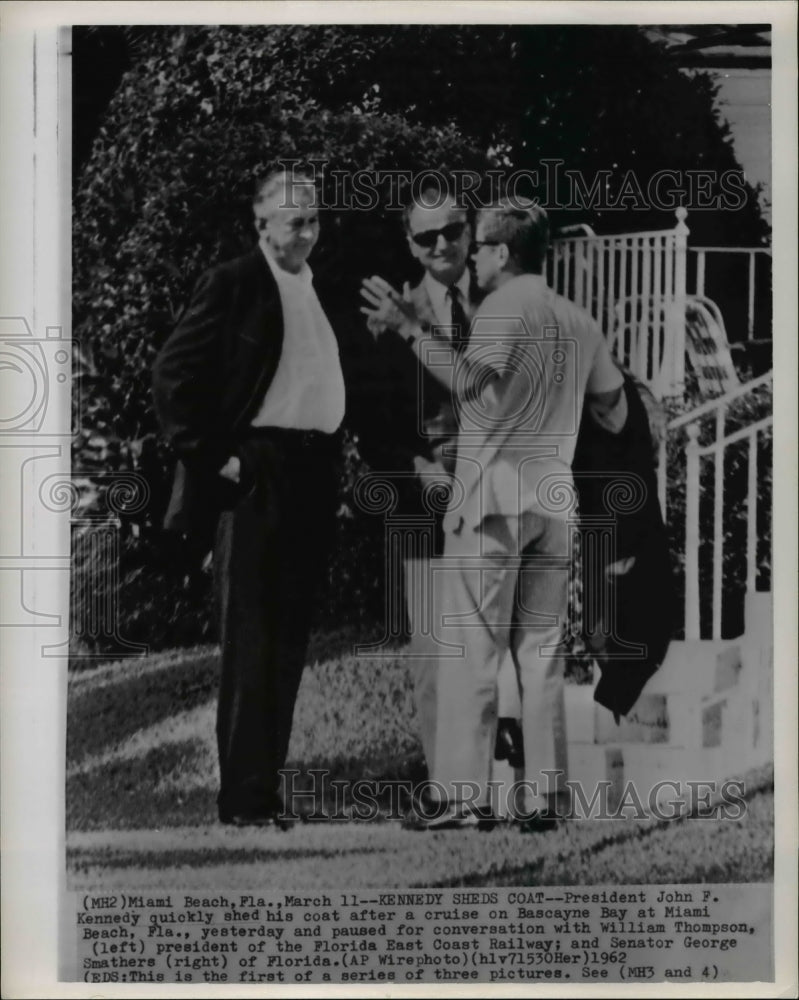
386	309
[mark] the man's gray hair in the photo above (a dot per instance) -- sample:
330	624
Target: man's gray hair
279	182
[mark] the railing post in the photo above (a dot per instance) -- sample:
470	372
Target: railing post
566	261
751	515
579	274
700	272
677	333
692	533
718	521
613	298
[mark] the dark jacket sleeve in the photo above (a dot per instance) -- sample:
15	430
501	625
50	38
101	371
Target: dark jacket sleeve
638	606
382	407
185	374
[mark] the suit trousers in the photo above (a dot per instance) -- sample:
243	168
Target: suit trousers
422	550
503	588
271	551
423	659
424	651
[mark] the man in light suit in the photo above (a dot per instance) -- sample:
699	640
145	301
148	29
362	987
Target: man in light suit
533	359
419	424
250	393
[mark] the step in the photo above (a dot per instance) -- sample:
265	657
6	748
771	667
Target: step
690	721
662	772
738	720
657	773
699	666
759	616
680	720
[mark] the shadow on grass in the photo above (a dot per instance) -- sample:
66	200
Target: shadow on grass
139	757
108	712
113	701
123	794
81	859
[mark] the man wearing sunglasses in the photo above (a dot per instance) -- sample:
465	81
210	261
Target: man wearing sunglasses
418	408
533	360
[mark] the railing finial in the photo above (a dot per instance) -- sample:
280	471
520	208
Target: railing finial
682	214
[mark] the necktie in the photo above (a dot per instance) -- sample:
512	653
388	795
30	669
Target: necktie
460	322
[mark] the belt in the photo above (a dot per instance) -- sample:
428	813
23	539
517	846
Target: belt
292	438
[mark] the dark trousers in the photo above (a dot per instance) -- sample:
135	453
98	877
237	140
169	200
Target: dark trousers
271	552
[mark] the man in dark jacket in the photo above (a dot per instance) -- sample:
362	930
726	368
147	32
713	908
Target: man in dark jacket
250	393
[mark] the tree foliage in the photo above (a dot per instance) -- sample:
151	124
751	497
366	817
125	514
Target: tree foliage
204	110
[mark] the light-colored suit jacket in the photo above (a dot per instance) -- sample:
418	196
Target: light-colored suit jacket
413	420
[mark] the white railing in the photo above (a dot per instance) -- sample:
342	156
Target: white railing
637	285
693	423
634	285
699	257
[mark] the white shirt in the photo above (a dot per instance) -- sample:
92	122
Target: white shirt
307	392
441	301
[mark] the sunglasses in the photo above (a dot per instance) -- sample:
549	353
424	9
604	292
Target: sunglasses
429	237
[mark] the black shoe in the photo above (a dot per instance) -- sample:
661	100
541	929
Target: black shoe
540	822
421	812
509	744
270	819
454	817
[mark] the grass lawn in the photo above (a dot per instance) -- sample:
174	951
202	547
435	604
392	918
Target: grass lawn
142	781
